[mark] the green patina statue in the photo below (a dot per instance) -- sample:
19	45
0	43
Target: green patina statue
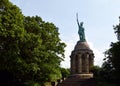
81	30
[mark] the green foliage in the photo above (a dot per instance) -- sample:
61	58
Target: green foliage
65	72
30	48
95	70
11	33
32	83
117	30
113	58
50	51
111	65
113	54
102	76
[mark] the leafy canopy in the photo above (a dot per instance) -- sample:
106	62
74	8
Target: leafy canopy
30	48
112	61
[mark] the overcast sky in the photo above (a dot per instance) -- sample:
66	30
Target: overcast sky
98	16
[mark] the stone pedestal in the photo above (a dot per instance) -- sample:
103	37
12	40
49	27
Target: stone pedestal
81	62
81	58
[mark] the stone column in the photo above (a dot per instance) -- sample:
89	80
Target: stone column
73	65
79	63
87	63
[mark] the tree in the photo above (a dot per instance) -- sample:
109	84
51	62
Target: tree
95	70
51	50
113	57
30	48
11	34
117	30
65	72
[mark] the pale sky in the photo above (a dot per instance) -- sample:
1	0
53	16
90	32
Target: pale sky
98	16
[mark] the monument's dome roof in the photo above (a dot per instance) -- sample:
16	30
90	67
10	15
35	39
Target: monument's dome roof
82	46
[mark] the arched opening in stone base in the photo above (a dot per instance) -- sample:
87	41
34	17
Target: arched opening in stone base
83	64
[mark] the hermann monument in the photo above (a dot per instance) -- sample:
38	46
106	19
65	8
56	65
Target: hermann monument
82	58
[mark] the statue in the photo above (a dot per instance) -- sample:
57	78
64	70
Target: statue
81	30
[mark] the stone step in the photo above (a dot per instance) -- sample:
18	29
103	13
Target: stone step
84	82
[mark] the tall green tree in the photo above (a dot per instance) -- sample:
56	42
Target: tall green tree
113	57
11	34
30	48
51	50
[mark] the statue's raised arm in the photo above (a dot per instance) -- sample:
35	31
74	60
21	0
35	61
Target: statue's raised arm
77	19
81	30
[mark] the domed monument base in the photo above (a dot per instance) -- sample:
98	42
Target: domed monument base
81	62
81	59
